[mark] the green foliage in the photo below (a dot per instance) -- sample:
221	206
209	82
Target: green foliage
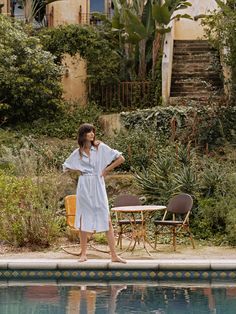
210	181
29	210
138	146
93	44
29	78
216	218
202	126
168	174
100	238
213	179
220	30
33	157
136	23
65	122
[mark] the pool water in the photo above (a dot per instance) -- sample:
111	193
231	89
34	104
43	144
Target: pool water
116	298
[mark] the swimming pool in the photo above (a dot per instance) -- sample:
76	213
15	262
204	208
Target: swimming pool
117	297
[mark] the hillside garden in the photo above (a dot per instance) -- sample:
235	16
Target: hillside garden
167	149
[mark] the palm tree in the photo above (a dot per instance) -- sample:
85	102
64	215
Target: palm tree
36	9
141	25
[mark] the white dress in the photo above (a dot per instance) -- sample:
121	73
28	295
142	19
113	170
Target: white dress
92	210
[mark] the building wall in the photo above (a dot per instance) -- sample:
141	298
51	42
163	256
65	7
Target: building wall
74	79
75	74
67	11
6	7
190	29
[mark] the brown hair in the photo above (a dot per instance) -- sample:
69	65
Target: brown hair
83	130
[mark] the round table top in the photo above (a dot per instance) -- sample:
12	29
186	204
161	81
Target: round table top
139	208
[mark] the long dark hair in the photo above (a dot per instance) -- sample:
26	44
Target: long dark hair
83	130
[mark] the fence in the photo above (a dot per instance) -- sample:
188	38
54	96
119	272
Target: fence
123	95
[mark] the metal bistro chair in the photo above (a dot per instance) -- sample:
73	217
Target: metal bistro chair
122	223
179	206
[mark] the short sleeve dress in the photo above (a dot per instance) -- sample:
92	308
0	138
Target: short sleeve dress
92	210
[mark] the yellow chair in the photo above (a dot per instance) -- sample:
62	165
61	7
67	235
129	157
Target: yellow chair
73	233
70	205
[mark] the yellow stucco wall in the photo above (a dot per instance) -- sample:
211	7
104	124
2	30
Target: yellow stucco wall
74	79
75	74
6	7
189	29
67	11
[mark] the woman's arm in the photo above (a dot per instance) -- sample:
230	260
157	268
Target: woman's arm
117	162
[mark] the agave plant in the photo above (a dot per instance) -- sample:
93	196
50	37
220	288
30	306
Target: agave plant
186	179
212	178
157	183
185	154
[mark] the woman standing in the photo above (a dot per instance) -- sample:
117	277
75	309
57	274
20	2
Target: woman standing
93	159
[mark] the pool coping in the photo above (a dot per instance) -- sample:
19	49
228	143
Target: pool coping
106	264
99	269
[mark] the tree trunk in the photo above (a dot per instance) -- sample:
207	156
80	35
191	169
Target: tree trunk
142	59
156	48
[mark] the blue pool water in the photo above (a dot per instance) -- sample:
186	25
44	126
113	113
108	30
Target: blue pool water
116	298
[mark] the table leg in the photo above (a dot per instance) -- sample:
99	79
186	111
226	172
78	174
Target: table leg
138	234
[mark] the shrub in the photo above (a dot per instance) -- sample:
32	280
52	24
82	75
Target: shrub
29	78
216	218
29	210
138	146
210	181
202	126
65	122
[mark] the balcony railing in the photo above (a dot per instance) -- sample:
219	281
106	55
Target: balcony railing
92	18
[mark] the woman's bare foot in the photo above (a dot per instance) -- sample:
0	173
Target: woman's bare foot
118	259
82	259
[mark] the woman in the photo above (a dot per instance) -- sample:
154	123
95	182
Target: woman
94	160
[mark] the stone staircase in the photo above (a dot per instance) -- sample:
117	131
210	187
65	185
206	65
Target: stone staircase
195	73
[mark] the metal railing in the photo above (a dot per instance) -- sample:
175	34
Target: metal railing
123	95
92	18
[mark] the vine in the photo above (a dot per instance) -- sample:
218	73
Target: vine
103	61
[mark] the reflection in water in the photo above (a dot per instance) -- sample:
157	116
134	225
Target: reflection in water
116	298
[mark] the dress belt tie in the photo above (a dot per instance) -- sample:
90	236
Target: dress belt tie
88	174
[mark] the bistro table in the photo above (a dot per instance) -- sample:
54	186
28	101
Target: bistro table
138	231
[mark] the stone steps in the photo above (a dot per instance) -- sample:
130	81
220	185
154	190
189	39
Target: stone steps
189	83
192	89
194	94
190	59
192	50
189	68
194	77
199	75
191	42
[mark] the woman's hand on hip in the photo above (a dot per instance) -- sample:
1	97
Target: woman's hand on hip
104	172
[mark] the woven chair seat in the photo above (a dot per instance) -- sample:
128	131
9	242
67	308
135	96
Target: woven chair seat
127	221
168	222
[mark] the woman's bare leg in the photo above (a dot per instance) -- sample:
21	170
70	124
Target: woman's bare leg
83	244
111	244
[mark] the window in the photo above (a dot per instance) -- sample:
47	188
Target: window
97	6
